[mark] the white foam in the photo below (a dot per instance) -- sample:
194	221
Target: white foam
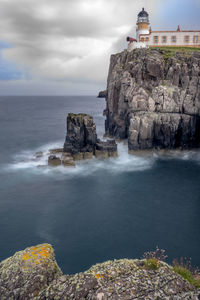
123	163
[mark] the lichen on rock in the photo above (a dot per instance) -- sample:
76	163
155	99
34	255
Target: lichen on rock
34	274
28	272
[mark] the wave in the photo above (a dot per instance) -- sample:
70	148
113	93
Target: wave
124	163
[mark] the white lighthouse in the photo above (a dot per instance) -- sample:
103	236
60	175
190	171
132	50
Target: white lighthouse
142	24
145	37
142	29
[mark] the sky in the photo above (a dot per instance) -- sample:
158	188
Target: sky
63	47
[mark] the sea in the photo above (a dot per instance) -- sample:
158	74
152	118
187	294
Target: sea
102	209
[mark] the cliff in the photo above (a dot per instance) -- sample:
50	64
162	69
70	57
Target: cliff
34	274
153	98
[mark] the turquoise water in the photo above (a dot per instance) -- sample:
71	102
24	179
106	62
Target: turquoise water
100	210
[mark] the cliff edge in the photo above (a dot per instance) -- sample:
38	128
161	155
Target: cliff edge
34	274
153	98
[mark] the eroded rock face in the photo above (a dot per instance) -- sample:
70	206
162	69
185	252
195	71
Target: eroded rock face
24	275
81	134
106	149
34	274
54	161
154	100
81	140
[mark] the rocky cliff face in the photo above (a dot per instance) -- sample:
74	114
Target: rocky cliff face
34	274
81	140
154	99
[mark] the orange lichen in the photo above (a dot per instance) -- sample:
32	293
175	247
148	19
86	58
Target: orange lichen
98	276
38	254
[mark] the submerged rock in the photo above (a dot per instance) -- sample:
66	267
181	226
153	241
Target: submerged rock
38	154
154	99
34	274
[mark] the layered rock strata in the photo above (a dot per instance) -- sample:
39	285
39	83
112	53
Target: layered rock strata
154	99
81	139
33	274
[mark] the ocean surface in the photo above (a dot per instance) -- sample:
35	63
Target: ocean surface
100	210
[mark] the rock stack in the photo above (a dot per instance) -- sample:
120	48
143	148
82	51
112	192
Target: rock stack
81	140
81	143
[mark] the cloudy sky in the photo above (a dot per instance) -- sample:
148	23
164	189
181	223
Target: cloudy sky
63	47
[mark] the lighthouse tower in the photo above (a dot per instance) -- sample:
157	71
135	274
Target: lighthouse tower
142	24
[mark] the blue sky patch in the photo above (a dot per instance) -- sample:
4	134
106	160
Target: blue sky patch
8	70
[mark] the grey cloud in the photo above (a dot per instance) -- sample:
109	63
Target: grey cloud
64	38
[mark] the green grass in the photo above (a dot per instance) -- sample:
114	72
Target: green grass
152	263
169	52
187	275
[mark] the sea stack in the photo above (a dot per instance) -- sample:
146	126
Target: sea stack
81	139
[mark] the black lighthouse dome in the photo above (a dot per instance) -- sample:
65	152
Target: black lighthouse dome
143	16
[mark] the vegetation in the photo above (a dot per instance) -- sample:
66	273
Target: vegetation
153	258
184	269
169	52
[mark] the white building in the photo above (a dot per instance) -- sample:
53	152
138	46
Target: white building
145	37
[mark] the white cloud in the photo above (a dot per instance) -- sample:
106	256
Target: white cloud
66	39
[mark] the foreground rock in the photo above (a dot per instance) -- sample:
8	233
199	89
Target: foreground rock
154	99
34	274
81	140
24	275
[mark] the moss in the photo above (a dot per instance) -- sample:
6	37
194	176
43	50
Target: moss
187	275
168	52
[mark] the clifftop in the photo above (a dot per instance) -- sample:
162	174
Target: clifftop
34	274
154	98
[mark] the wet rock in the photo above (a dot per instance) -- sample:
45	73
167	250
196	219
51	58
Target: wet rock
56	151
153	99
24	275
38	154
106	149
67	160
54	161
81	134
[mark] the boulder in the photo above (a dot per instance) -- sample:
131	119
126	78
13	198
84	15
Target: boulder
54	161
24	275
67	160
